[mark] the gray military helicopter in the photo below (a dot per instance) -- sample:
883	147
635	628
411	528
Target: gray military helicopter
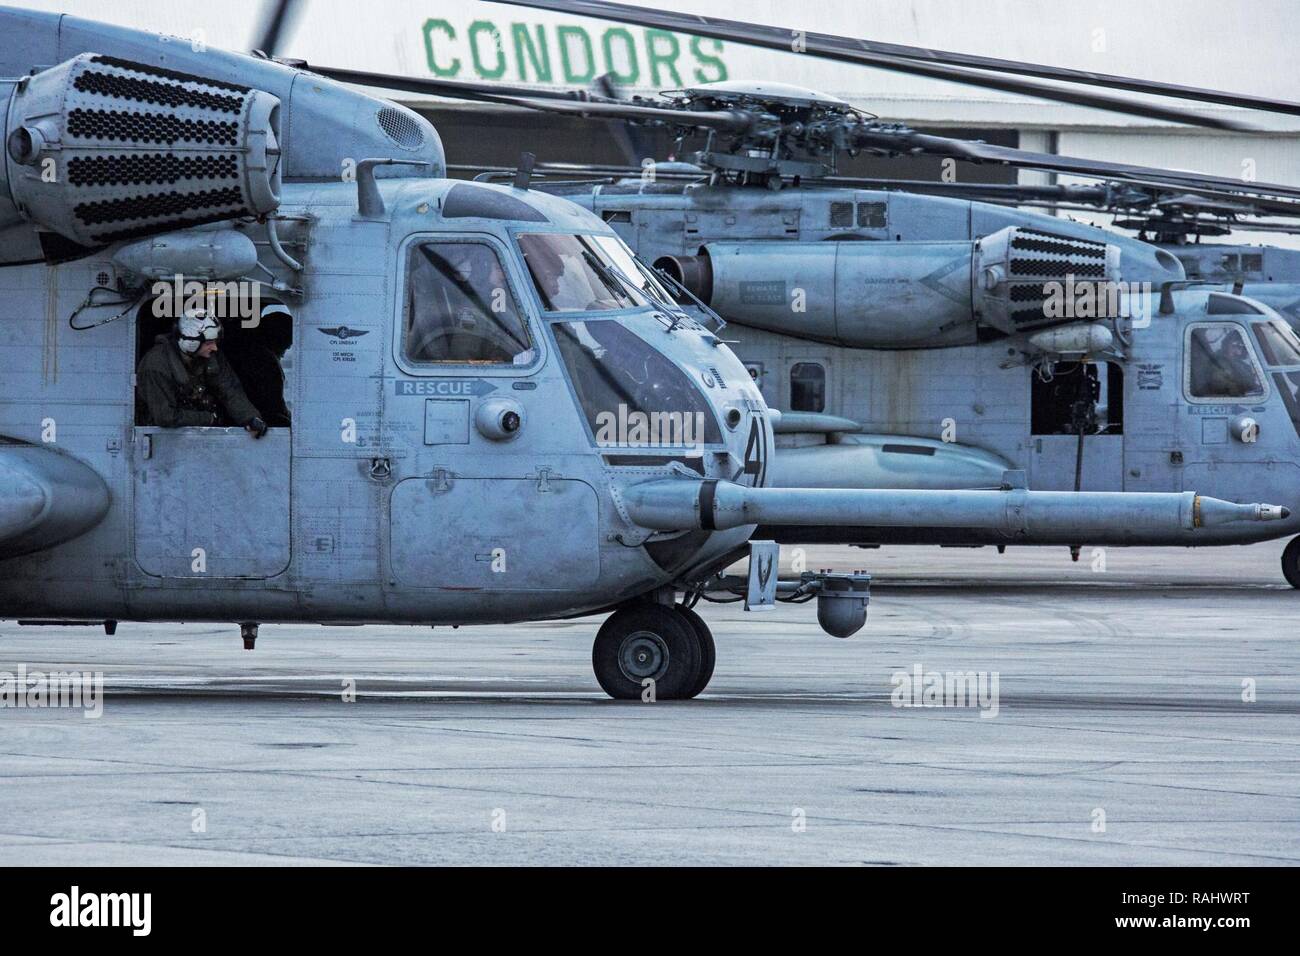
498	413
907	336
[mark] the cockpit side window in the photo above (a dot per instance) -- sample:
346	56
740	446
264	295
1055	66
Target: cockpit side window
1221	364
459	308
630	393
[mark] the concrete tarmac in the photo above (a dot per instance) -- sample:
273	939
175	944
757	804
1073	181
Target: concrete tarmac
1146	713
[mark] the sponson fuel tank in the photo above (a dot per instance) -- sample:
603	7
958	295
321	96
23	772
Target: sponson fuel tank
46	498
886	461
865	294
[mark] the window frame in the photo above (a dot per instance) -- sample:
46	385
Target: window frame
465	369
1260	371
825	383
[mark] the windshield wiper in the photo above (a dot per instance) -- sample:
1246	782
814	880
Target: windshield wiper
616	282
652	282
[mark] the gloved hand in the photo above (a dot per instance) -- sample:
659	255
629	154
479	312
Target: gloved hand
256	426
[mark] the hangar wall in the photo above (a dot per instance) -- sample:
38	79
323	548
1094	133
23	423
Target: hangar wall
1181	41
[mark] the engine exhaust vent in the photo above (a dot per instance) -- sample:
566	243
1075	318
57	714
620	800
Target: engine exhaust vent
1023	273
102	149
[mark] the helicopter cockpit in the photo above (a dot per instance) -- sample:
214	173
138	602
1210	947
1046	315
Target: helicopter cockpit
536	359
459	307
630	393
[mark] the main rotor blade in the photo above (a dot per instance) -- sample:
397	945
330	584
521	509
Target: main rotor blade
1241	226
458	89
910	141
277	19
1020	194
861	52
545	100
583	173
1110	196
629	138
1107	80
731	121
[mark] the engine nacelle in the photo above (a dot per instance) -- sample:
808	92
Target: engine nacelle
865	294
100	149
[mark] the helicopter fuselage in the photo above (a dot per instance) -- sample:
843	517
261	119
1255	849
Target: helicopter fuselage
957	416
397	494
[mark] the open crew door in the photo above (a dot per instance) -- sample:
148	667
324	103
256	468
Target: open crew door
1068	398
211	503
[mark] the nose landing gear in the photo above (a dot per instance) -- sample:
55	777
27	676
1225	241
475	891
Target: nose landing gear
1291	563
653	652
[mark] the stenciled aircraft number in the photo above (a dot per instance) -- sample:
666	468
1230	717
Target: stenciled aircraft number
756	452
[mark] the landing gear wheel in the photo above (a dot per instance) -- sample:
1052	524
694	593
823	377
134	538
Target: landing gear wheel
708	651
643	642
1291	563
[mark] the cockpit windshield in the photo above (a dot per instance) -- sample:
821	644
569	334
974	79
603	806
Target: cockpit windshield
621	257
580	273
631	394
1279	342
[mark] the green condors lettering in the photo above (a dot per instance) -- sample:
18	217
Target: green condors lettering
562	35
667	58
708	60
607	45
539	54
444	27
475	29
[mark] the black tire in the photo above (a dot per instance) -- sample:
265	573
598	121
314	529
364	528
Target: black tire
643	641
708	650
1291	563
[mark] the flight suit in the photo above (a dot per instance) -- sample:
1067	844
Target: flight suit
262	377
173	393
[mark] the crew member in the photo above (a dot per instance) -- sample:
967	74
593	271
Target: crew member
257	356
184	380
